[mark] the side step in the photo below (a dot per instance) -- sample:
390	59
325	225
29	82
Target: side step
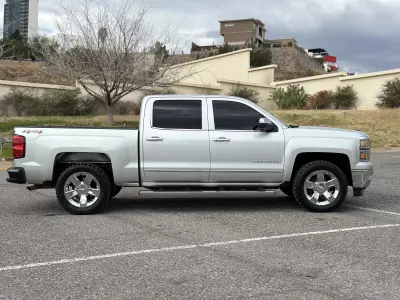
261	192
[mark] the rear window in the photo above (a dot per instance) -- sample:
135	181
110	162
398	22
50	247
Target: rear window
177	114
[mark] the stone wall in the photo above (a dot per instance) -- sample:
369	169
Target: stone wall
293	59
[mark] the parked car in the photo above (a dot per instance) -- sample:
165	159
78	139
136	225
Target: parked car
194	144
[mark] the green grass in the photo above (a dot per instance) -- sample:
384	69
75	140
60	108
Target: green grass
7	152
381	125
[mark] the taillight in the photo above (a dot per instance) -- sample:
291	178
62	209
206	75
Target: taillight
18	146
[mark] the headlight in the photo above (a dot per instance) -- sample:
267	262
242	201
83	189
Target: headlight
365	144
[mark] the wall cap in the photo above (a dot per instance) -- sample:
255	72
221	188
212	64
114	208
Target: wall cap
246	83
36	85
210	58
310	78
263	68
372	74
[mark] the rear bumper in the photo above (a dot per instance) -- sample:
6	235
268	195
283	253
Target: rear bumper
16	175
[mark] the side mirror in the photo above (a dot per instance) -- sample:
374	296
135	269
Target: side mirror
265	125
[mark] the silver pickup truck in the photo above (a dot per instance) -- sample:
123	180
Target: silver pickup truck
185	145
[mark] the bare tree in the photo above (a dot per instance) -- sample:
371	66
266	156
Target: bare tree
112	50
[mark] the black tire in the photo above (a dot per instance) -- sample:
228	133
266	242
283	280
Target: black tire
104	187
306	170
115	190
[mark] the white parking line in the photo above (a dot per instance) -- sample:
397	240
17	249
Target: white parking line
375	210
187	247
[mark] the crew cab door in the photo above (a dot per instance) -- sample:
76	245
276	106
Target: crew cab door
239	153
175	141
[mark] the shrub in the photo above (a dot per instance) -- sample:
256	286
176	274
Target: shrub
23	101
345	97
293	97
390	94
260	56
126	108
245	93
320	100
50	103
60	102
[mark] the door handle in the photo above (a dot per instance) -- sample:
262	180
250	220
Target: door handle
154	139
221	139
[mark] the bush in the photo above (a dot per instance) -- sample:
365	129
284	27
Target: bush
126	108
390	94
23	101
293	97
260	56
320	100
245	93
345	97
50	103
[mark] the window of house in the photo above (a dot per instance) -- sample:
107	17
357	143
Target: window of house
229	115
177	114
260	31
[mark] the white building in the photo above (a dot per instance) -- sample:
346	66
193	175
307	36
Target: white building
21	16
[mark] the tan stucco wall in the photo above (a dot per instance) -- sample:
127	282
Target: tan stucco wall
218	74
6	86
208	71
264	91
314	84
262	75
368	86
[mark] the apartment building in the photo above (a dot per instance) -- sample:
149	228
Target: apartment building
242	31
21	16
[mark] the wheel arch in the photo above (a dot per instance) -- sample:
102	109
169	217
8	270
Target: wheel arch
65	159
341	160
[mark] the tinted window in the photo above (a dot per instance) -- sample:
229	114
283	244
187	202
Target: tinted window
235	116
177	114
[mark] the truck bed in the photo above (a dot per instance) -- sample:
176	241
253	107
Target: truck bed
45	146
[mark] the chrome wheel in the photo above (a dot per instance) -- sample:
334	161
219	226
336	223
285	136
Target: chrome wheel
82	189
321	187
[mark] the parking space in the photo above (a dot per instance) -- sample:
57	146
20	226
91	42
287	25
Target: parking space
236	248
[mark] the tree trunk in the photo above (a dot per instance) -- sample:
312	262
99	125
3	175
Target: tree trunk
110	115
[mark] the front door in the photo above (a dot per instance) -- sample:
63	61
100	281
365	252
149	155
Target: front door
240	153
175	141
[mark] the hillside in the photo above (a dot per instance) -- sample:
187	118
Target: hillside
28	71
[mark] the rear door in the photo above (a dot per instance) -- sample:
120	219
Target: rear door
175	141
239	153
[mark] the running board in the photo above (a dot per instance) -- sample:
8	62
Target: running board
208	193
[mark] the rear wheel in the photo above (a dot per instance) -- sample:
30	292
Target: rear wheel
320	186
83	189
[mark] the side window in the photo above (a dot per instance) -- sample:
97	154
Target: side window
177	114
229	115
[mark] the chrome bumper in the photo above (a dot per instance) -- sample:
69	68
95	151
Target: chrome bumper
362	178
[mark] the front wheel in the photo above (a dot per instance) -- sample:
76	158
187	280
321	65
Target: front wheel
320	186
83	189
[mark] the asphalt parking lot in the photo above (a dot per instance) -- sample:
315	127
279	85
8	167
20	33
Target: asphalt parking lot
224	248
